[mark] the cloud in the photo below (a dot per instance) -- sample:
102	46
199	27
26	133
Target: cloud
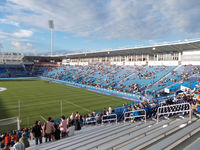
4	35
19	35
19	46
114	19
182	15
10	22
23	48
23	33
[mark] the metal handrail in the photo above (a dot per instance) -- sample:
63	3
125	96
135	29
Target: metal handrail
141	110
93	120
109	119
172	112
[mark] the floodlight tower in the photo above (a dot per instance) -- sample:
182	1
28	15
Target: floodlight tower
51	27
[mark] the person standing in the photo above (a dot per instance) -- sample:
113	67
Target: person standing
7	138
24	140
37	134
72	118
18	145
57	132
63	126
77	124
110	110
68	122
49	128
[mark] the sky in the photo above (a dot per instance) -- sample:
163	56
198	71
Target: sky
88	25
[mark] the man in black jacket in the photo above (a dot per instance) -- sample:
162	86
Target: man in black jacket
36	130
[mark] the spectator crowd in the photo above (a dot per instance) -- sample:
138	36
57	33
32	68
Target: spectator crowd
129	79
51	130
120	78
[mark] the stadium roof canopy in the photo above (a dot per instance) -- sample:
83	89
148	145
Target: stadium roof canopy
43	58
155	49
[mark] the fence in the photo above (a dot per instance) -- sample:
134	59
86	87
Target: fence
133	97
110	117
174	109
131	114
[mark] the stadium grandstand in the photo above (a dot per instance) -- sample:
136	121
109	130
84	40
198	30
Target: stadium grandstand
160	82
99	75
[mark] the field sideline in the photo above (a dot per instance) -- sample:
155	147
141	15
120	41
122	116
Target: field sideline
38	97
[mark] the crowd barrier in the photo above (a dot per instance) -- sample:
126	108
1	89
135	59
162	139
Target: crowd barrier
90	120
18	78
108	118
129	96
131	115
174	109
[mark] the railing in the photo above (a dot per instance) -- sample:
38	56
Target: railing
90	120
108	118
129	96
178	101
130	114
173	109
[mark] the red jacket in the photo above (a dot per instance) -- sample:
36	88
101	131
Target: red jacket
7	139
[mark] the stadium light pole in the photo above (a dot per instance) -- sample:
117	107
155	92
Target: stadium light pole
51	27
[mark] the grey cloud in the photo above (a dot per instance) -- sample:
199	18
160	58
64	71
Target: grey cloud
114	19
23	48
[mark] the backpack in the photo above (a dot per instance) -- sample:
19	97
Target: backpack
198	108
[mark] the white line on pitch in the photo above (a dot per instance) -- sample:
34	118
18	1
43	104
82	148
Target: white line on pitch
77	105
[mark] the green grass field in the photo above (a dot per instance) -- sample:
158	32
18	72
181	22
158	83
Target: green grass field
38	97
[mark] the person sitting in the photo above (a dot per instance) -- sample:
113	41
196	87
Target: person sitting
70	130
134	113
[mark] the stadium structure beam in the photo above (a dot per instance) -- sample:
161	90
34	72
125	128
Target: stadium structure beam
165	48
175	48
192	45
